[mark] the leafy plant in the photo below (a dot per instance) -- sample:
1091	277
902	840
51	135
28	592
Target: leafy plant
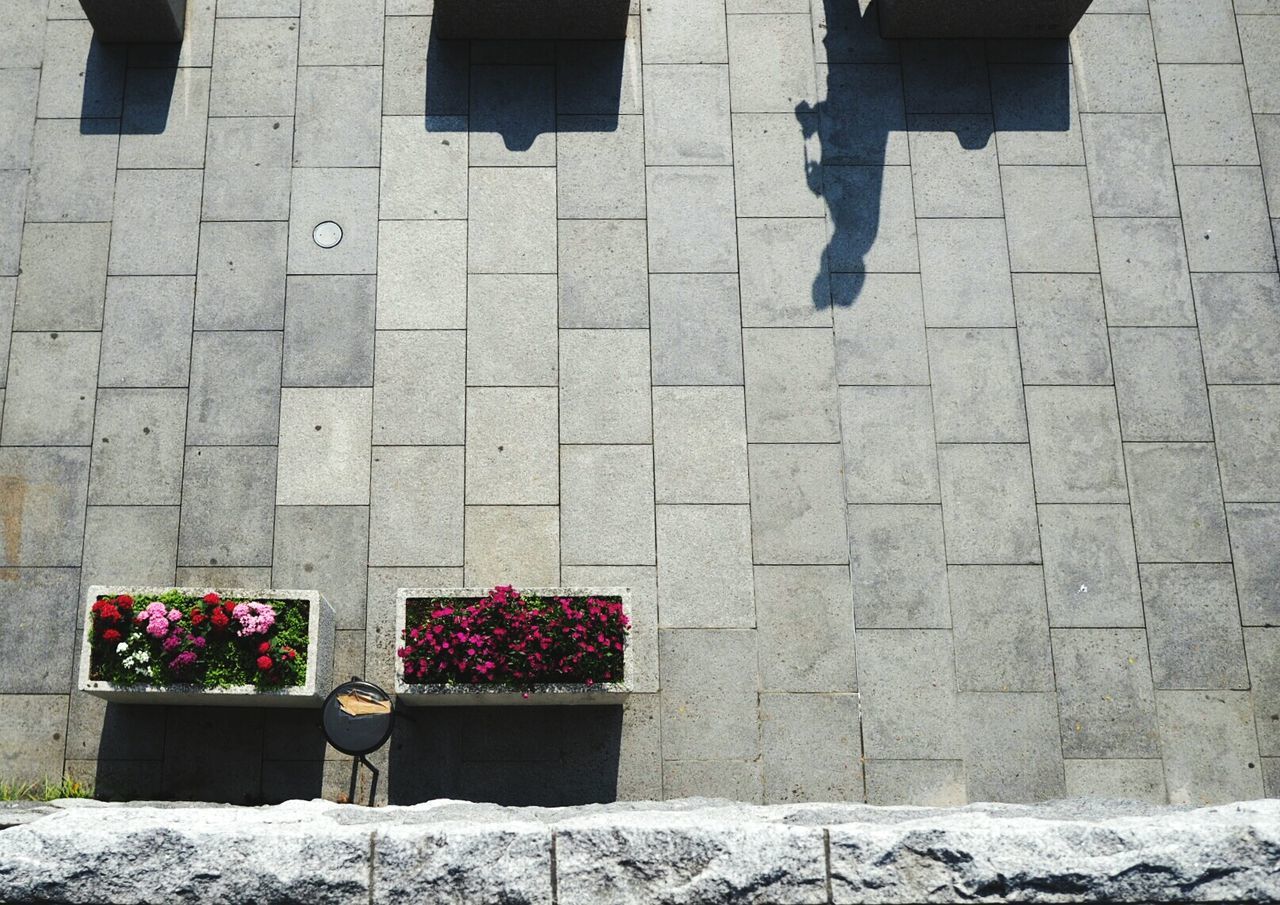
45	790
508	638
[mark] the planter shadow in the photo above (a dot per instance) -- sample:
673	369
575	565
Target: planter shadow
525	91
544	756
143	106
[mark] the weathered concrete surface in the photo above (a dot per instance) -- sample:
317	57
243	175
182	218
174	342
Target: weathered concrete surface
696	850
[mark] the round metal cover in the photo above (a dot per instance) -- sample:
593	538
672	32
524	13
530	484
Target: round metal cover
358	717
327	234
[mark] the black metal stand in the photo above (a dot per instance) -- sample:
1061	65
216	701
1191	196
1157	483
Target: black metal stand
355	773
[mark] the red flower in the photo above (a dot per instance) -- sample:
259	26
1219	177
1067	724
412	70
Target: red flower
111	636
124	600
219	619
264	647
211	598
264	663
289	653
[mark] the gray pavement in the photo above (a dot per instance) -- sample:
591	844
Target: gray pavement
928	396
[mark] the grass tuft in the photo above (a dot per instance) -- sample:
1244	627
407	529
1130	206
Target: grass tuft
45	790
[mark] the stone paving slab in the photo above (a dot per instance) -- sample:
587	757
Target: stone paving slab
924	393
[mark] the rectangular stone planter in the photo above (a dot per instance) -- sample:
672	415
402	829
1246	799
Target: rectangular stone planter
136	21
979	18
311	693
531	19
470	695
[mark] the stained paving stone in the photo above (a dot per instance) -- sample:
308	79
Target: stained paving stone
977	404
606	505
931	783
1130	165
1239	318
512	228
889	451
328	331
8	292
424	171
422	275
1062	334
1209	746
906	680
600	167
691	220
1246	422
1012	748
778	282
154	230
796	504
1090	566
512	545
64	276
709	708
37	657
771	57
1204	33
72	175
1263	648
240	279
1115	59
805	628
964	266
1106	702
898	564
324	446
511	330
325	548
81	77
509	468
1177	502
604	273
419	387
766	183
415	506
1001	628
605	391
988	503
255	66
1136	780
1144	272
1049	219
50	393
1224	213
699	445
228	506
247	168
138	438
146	332
690	32
790	385
130	545
1075	445
24	40
1193	626
43	499
1160	386
13	200
686	114
1210	122
1253	525
881	339
700	345
235	388
704	567
811	746
337	121
1256	36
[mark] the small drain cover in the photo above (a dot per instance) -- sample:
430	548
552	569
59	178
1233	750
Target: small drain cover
327	234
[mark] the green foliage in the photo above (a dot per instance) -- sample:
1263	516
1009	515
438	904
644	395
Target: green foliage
45	790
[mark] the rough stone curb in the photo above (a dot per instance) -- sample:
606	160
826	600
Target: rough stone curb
695	851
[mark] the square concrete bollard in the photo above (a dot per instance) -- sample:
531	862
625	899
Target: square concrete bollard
531	19
979	18
137	21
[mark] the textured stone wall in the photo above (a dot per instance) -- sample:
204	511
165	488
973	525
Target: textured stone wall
693	851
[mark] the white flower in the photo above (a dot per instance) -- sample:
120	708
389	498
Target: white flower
122	647
143	656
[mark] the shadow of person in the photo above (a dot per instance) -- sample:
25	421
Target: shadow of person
877	91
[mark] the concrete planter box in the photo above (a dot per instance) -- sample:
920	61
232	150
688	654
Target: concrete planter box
311	693
470	695
979	18
531	19
137	21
